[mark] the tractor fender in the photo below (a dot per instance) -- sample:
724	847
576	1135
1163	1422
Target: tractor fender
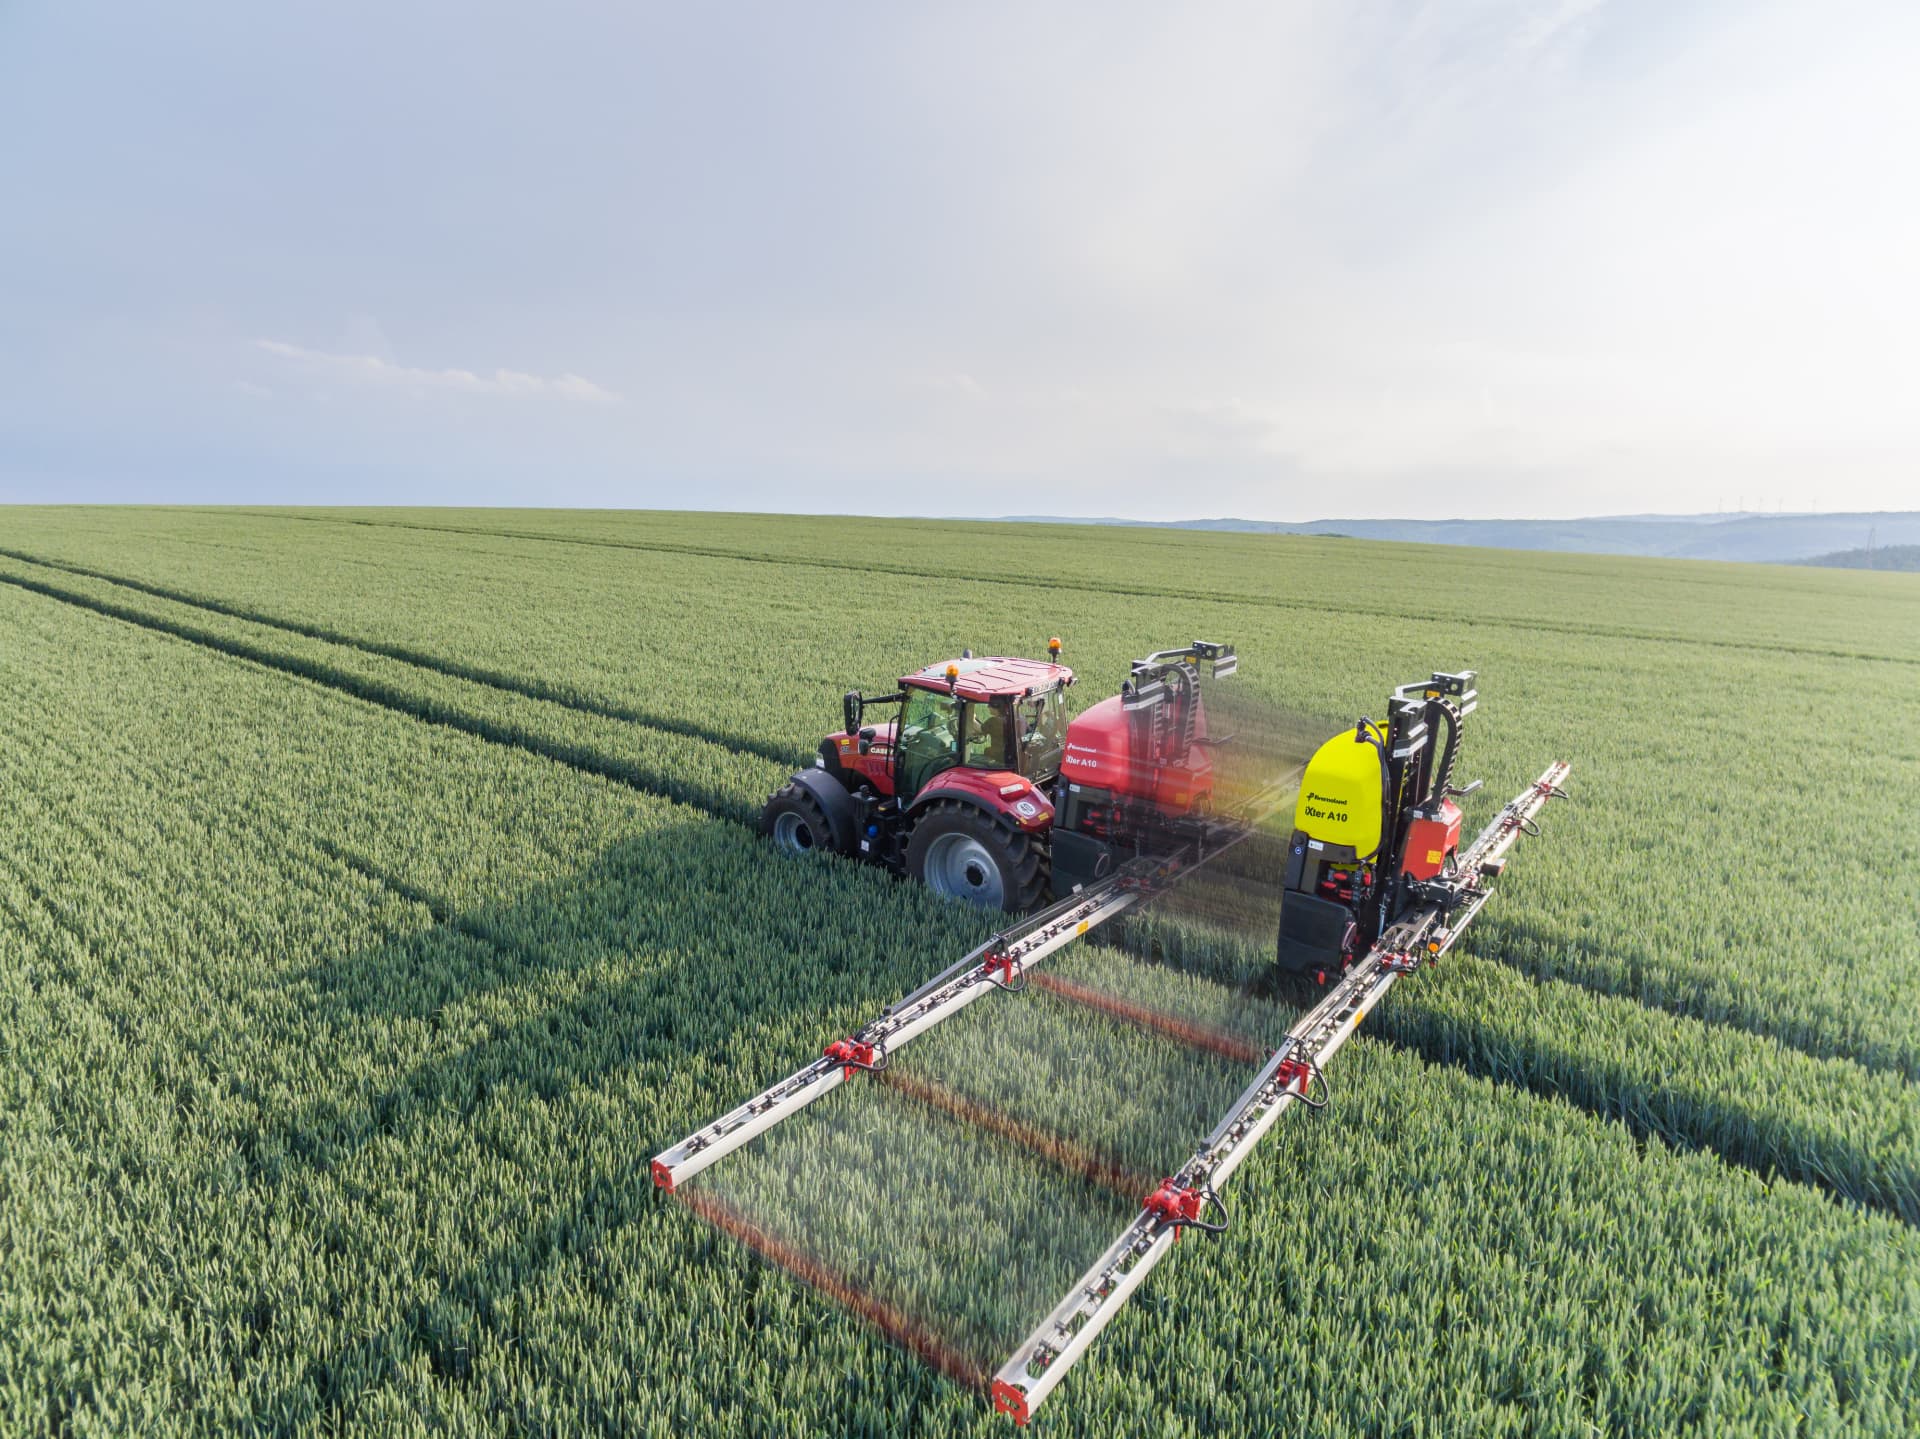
837	803
1027	811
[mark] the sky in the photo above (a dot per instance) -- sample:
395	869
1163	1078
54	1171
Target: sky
1276	260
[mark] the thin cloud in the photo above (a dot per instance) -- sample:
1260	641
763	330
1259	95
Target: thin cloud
1545	27
372	370
949	382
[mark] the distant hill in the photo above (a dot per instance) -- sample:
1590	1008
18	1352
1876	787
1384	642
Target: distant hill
1884	557
1777	539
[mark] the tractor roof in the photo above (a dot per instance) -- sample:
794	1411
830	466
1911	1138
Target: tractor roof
988	678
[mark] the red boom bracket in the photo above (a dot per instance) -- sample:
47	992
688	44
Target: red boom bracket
1173	1203
1290	1072
1013	976
1008	1399
854	1054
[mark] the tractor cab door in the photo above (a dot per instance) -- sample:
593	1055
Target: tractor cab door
1040	734
928	741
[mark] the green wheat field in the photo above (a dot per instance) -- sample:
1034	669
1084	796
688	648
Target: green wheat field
379	891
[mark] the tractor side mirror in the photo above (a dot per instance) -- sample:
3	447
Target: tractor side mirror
851	704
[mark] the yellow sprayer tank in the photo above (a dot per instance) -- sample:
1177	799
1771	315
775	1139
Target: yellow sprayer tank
1340	798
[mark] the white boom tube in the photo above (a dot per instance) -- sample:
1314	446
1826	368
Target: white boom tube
935	1003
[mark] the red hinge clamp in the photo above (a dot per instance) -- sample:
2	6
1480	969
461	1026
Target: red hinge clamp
1293	1071
1173	1203
1007	965
1303	1072
1399	961
854	1054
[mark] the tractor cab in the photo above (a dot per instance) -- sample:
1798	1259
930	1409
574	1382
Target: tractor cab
1006	715
997	715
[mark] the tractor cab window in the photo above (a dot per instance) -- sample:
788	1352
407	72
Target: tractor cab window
1041	737
929	739
986	734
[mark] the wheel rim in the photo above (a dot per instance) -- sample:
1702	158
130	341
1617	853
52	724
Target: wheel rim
792	833
961	867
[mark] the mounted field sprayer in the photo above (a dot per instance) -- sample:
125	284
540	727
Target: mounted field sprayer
981	788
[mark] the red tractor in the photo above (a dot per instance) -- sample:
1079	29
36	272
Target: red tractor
981	787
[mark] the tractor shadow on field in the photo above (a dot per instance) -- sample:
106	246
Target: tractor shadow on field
677	972
660	950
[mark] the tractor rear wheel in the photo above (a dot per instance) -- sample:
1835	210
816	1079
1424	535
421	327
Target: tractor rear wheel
795	822
957	851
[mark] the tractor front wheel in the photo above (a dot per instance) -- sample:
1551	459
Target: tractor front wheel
957	851
795	822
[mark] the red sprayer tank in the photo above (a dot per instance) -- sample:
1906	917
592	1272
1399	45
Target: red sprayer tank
1109	748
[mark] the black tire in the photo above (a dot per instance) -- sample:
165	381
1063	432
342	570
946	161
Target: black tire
958	851
795	822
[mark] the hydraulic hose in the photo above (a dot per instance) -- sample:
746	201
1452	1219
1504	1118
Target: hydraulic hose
1363	734
1217	1204
1443	774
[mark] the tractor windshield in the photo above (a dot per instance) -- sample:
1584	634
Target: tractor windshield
929	740
1042	733
939	731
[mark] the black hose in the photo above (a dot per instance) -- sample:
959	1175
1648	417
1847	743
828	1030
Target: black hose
1443	776
1014	983
1214	1201
1314	1072
1363	734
